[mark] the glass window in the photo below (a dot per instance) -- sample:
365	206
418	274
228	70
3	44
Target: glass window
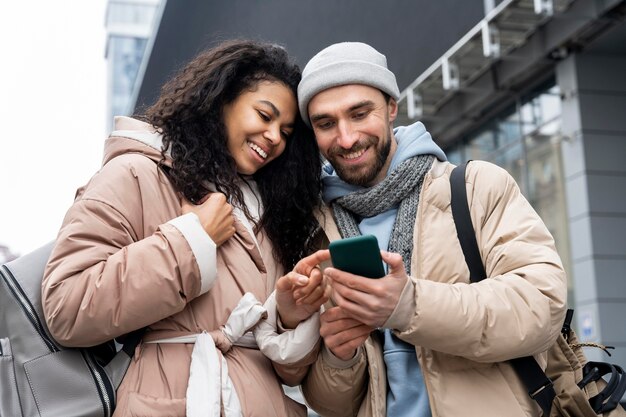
526	141
125	55
540	109
128	12
512	159
546	190
128	22
482	145
455	155
508	130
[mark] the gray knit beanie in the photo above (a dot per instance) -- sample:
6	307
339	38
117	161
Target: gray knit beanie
344	63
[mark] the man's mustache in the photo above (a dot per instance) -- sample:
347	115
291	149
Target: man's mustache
356	147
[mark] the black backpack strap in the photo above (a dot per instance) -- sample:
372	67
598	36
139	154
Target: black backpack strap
131	340
463	223
539	386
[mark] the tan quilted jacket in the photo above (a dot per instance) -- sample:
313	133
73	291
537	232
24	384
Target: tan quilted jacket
462	332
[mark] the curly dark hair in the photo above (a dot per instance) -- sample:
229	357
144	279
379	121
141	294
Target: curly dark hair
189	114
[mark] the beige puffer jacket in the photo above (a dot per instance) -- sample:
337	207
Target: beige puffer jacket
125	258
462	332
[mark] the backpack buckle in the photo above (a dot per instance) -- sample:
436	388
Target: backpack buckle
544	396
541	389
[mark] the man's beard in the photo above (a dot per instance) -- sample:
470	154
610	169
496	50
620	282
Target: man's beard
361	176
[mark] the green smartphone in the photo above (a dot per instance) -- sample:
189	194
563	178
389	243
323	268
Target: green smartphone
358	255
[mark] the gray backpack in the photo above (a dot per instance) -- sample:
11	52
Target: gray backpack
38	376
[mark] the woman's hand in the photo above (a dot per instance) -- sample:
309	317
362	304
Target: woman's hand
302	291
215	214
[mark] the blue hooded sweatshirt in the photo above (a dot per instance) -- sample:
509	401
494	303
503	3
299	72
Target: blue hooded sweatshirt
403	399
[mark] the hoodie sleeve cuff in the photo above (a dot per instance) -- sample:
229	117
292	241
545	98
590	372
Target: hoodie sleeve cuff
400	318
202	246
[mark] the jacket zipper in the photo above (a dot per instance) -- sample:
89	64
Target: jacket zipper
105	390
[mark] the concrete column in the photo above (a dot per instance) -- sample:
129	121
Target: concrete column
594	159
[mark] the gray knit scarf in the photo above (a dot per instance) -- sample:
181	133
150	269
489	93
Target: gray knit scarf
402	186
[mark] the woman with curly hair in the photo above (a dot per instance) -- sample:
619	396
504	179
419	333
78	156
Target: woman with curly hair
199	211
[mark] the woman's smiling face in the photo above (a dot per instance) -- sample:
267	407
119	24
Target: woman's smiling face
258	124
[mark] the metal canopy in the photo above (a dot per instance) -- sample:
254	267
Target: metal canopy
504	29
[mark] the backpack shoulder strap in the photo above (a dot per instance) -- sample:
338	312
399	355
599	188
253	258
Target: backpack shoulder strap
463	223
539	386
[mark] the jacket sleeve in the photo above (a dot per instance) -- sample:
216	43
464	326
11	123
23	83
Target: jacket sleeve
105	278
293	374
519	309
334	387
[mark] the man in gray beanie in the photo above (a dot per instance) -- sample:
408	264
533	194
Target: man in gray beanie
420	341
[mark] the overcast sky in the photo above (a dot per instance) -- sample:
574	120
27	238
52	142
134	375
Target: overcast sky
52	112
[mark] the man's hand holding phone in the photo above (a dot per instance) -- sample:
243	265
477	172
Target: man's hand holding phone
370	301
342	334
362	304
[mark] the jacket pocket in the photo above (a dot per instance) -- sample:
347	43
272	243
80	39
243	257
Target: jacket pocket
140	405
9	399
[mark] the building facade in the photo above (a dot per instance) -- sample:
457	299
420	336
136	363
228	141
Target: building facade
129	25
535	86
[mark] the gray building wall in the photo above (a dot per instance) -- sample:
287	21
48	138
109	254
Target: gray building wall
594	156
412	34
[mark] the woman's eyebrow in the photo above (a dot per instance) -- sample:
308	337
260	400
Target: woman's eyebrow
275	110
272	106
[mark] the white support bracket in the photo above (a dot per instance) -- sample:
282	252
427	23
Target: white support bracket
491	40
450	74
544	7
415	108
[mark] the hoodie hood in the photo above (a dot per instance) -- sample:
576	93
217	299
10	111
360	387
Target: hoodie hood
134	136
412	140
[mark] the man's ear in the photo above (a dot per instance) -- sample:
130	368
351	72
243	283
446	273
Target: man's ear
392	107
